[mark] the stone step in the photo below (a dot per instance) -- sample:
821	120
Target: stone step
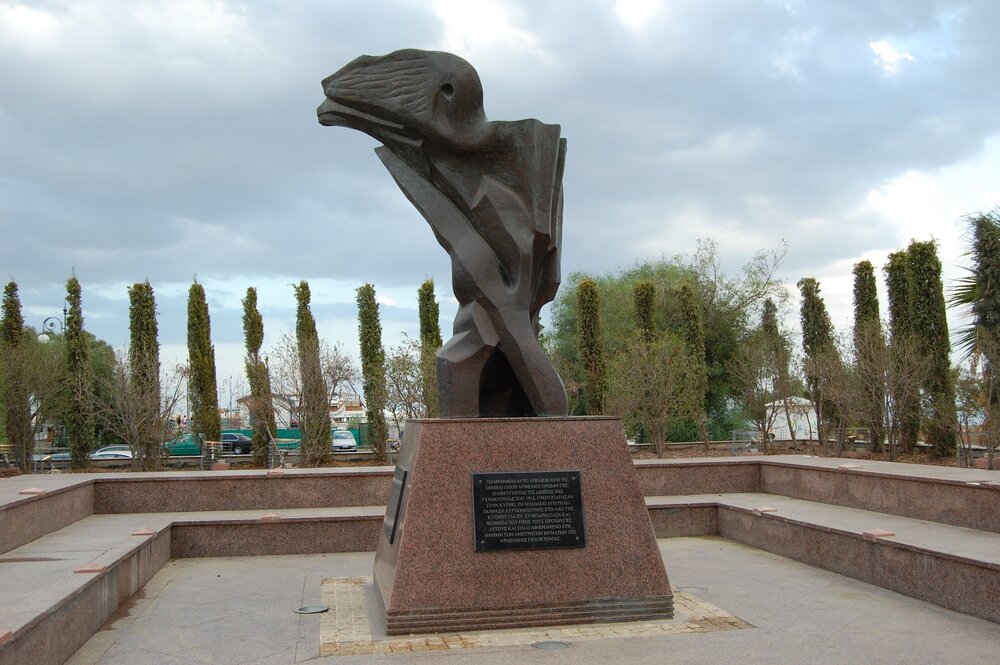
951	566
606	610
56	591
32	506
954	567
69	582
960	497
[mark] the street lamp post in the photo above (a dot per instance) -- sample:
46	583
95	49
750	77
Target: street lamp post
53	325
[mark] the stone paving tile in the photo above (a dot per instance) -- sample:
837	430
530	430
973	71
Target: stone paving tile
223	650
94	649
149	633
346	629
801	614
270	628
173	612
118	654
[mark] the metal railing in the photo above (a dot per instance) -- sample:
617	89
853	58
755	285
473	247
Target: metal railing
746	441
275	455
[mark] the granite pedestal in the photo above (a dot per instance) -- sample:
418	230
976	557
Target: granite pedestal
428	571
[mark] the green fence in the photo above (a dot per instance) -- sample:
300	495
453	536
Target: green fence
360	433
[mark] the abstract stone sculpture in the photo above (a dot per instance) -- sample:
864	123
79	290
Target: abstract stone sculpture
492	194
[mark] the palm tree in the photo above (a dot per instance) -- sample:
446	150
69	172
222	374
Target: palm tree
978	293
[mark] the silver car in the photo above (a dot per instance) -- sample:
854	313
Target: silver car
344	442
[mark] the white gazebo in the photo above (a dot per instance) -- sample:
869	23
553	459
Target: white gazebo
802	415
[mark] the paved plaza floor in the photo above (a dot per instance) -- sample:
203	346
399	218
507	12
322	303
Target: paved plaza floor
736	604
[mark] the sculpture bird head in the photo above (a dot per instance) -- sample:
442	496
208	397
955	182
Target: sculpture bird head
407	96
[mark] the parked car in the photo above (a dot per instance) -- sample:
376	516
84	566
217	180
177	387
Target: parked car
289	445
235	442
240	444
183	445
343	441
117	451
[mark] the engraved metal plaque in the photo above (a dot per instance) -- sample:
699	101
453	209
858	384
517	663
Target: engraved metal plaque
394	509
528	510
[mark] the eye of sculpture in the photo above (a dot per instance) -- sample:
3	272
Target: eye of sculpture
491	191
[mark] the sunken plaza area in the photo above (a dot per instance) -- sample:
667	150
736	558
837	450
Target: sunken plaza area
777	559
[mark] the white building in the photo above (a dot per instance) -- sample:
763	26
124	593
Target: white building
344	408
803	417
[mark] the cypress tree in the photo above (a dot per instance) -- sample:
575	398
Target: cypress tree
202	387
261	400
144	369
15	390
868	347
769	320
817	342
144	344
79	417
314	418
693	325
817	330
693	333
897	281
865	299
372	368
591	345
930	326
644	296
430	342
780	357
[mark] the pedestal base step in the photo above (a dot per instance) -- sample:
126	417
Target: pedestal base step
602	610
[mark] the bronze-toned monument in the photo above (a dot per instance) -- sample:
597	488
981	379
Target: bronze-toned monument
492	193
496	518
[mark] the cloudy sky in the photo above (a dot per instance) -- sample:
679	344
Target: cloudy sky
168	140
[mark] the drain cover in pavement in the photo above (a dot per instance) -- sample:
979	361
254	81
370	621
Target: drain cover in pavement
312	609
551	645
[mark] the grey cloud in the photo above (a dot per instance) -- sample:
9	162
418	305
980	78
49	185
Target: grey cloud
137	157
